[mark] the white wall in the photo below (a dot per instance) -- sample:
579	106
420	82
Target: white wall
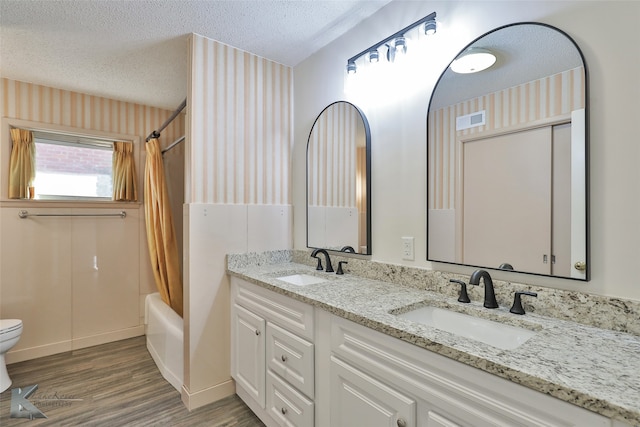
606	34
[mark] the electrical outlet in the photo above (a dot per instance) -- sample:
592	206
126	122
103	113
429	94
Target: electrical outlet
407	248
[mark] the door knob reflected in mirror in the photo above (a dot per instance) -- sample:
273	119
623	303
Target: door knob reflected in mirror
580	266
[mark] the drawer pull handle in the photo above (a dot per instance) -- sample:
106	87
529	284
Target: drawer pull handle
401	422
283	410
283	358
257	332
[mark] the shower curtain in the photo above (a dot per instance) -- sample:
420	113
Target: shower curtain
161	236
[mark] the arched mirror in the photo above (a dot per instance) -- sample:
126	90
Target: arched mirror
507	155
339	180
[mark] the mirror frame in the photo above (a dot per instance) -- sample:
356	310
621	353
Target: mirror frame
367	132
586	153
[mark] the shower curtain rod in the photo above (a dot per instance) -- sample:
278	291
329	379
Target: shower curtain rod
156	133
173	144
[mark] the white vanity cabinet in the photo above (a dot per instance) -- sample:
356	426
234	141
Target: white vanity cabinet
378	380
299	366
273	355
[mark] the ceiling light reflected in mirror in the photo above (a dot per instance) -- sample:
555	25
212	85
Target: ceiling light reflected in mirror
473	60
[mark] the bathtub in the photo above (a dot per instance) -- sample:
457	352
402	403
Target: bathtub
164	330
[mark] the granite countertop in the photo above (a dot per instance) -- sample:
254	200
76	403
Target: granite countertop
597	369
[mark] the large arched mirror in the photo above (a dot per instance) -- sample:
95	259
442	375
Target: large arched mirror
507	156
339	180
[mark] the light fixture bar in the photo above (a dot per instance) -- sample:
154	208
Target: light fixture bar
430	17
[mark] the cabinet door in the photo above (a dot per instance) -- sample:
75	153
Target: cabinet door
248	352
36	277
105	293
359	400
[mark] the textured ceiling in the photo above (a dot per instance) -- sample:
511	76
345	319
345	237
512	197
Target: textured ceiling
136	50
524	53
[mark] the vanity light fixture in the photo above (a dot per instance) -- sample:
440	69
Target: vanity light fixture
472	61
351	67
396	43
401	45
430	27
398	49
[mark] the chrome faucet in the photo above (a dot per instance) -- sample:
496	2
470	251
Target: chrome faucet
315	253
489	293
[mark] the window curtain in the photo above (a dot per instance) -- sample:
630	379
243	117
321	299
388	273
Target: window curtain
124	172
161	236
22	166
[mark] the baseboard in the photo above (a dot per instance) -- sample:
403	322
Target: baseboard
208	395
74	344
121	334
15	356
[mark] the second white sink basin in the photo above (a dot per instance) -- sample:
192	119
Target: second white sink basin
496	334
302	279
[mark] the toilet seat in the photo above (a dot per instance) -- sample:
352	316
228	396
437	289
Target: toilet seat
10	328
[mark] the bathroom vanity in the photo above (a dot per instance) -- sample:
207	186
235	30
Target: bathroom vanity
313	348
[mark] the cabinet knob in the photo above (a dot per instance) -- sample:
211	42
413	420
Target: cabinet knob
283	358
401	422
283	410
257	332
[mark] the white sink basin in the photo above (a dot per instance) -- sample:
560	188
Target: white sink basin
302	279
496	334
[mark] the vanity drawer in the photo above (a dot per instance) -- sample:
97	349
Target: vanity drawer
291	357
286	405
295	316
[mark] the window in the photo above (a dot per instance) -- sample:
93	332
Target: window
69	167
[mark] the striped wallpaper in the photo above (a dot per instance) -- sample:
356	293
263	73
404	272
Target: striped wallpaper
241	127
546	98
331	156
26	101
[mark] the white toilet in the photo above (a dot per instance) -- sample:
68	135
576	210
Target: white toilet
10	330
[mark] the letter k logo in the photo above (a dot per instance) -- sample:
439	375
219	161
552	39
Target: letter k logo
21	407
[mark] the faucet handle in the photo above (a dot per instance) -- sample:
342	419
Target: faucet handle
340	267
319	265
517	308
464	297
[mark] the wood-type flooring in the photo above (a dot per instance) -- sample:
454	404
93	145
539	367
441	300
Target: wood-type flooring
115	384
